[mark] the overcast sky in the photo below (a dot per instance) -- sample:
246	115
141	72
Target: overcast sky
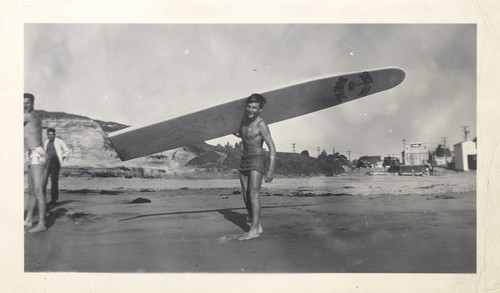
134	74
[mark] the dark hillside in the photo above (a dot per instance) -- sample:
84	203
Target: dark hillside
218	158
293	165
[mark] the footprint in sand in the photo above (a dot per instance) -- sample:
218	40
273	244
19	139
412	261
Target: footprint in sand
227	238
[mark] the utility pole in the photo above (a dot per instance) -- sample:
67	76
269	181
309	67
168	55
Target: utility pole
318	151
349	153
293	147
465	132
334	151
445	155
404	147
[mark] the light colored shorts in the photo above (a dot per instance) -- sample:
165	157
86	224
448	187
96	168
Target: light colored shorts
35	156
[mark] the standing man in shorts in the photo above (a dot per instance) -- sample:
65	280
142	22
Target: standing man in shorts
253	133
35	161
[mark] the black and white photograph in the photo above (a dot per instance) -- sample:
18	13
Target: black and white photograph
257	148
281	146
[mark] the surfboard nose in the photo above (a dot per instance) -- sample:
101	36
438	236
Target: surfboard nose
396	76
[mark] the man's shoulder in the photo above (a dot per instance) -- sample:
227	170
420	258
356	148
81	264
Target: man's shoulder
32	116
260	122
58	140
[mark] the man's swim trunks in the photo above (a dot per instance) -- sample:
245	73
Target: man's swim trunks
36	156
253	162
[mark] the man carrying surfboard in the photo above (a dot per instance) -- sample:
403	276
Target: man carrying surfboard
253	133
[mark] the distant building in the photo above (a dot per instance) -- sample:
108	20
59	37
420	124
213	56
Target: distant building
465	156
415	153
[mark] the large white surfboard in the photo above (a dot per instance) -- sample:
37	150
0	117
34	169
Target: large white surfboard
283	103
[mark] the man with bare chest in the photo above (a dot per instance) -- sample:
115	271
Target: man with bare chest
35	162
253	133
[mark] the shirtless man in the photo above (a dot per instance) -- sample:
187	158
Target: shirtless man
253	133
35	161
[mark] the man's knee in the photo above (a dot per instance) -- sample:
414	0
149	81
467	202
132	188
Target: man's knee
38	192
254	193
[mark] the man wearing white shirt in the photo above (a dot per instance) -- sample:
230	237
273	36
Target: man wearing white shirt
56	151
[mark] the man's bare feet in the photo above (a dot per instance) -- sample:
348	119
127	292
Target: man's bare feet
28	224
38	228
249	222
249	235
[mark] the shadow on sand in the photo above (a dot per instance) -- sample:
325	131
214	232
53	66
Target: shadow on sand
238	219
53	212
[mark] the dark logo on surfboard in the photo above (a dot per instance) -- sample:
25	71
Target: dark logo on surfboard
366	78
362	84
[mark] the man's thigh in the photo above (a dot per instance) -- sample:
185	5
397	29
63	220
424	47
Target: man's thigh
255	180
244	181
54	170
37	177
30	180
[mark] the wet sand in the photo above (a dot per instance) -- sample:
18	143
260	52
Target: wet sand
348	224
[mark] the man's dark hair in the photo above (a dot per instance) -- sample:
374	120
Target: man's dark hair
29	96
257	98
51	130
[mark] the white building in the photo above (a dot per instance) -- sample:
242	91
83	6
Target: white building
465	156
415	153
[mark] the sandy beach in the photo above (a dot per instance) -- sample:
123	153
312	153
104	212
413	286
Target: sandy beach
343	224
